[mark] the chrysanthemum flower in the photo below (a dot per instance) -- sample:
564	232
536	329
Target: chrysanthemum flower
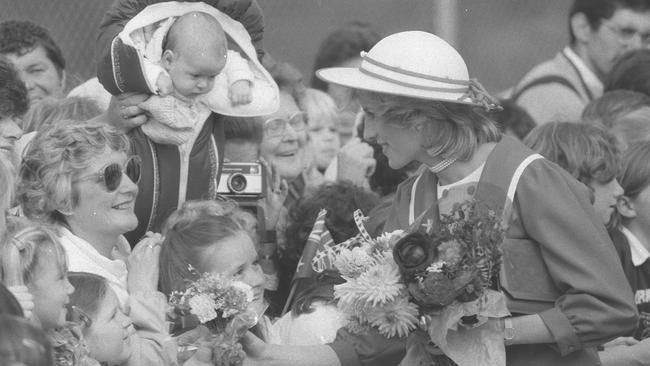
352	262
378	285
395	318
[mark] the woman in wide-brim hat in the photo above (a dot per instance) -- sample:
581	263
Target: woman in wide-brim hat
565	290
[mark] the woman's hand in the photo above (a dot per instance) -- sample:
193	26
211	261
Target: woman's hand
144	264
621	341
255	349
626	354
273	203
25	299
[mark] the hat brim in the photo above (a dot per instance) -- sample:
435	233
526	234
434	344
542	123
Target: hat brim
353	78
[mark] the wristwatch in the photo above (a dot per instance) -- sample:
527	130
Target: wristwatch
508	331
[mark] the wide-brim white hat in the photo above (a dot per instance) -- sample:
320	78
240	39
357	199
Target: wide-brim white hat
413	64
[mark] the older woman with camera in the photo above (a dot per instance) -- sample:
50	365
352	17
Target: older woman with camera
564	288
81	177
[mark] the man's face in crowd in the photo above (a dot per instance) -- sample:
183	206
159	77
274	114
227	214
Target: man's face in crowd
626	30
39	74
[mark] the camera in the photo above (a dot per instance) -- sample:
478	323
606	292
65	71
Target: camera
242	181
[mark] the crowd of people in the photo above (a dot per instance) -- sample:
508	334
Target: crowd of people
116	193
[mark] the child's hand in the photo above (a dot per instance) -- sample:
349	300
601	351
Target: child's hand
25	299
164	84
240	92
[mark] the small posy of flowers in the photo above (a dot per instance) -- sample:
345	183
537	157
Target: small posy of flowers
221	304
374	295
212	297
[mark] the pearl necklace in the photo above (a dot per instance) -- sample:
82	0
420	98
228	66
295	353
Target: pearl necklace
444	164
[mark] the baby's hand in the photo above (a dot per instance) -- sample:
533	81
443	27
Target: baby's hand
240	92
164	84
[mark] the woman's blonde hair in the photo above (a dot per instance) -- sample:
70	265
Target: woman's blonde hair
632	127
25	247
189	233
319	106
453	130
54	160
48	111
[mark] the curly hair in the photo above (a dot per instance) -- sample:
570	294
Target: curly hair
13	93
20	37
54	160
340	200
52	110
189	232
341	45
588	152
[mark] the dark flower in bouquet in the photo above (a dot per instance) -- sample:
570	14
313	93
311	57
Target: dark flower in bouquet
458	262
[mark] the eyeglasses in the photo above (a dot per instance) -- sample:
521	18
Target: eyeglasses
78	316
626	34
276	127
112	174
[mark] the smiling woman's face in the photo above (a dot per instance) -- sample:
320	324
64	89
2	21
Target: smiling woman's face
285	152
99	209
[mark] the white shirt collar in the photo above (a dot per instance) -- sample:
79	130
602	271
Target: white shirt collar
83	257
588	76
639	252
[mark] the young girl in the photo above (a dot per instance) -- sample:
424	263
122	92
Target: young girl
107	330
588	153
631	237
32	256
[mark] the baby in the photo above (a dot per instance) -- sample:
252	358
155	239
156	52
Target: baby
194	54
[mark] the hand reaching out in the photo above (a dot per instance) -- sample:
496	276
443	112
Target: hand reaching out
124	112
276	194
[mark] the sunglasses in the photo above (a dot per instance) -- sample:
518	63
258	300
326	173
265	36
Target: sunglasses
111	175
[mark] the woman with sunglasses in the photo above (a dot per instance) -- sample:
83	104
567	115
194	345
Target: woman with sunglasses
80	177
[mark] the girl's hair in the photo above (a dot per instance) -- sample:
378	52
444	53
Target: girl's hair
453	130
189	233
613	105
14	100
632	127
53	161
89	291
50	110
23	344
26	246
635	172
586	151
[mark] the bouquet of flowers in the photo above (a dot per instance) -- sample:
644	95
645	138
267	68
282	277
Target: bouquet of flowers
373	294
221	305
448	274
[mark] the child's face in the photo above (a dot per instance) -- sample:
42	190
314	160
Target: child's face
51	290
110	336
193	75
606	195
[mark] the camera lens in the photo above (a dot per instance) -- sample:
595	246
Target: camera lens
237	183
